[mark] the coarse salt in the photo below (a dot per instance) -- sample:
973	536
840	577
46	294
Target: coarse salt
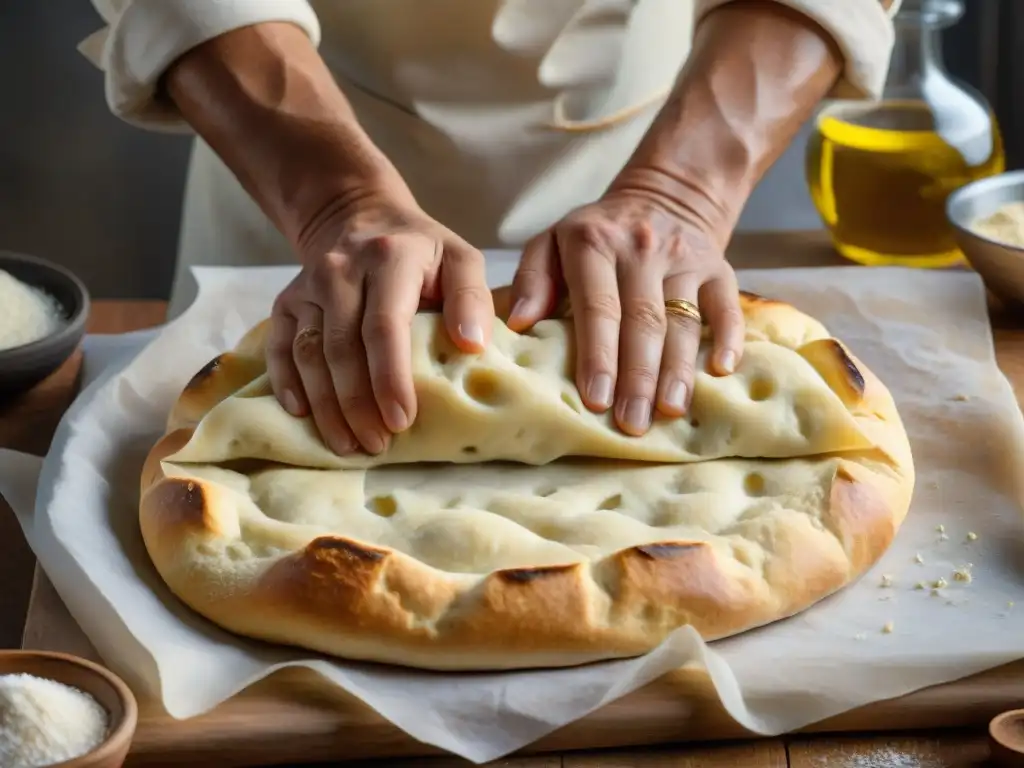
43	722
27	314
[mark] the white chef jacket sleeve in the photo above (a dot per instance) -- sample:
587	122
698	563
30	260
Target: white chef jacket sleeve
863	31
142	38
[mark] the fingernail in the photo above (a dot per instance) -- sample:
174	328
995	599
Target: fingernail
519	308
675	395
291	402
397	418
638	413
600	390
345	445
375	443
472	332
728	361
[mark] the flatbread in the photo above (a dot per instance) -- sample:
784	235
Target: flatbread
510	527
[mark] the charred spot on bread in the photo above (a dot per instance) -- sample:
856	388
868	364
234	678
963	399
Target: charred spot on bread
837	367
667	549
853	375
204	373
754	298
527	575
182	502
331	547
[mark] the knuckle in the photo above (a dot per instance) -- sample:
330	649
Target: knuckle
685	323
647	314
679	369
337	343
469	292
382	246
529	277
280	306
307	347
644	240
460	254
333	262
379	326
357	404
641	376
590	233
597	359
601	306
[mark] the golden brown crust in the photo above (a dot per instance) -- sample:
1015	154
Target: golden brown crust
342	596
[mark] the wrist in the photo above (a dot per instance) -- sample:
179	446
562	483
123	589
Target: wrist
689	193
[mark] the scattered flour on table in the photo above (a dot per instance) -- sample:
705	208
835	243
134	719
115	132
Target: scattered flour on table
883	757
27	314
43	722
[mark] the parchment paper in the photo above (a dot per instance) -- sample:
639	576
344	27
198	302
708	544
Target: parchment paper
926	334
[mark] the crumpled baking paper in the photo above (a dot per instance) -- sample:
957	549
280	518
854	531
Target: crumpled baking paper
924	333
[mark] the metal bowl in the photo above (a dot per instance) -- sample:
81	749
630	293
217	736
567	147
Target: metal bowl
1000	265
23	367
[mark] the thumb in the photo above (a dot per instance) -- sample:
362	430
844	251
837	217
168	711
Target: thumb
534	286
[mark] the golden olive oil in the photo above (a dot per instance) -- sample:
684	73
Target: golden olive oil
879	175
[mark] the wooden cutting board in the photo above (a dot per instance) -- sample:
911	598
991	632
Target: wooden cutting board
293	717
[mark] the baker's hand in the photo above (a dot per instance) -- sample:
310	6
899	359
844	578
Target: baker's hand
339	347
620	259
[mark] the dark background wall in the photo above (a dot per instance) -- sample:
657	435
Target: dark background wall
84	189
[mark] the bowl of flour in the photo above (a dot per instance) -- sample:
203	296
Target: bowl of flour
43	312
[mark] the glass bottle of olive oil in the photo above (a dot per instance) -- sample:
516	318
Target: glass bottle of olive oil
880	171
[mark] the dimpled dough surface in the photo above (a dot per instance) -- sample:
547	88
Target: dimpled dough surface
510	527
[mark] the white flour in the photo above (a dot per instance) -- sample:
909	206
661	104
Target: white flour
883	757
27	314
43	722
1005	225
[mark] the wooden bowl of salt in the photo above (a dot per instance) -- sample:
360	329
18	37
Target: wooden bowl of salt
62	711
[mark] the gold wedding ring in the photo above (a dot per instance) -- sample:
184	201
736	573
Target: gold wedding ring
683	308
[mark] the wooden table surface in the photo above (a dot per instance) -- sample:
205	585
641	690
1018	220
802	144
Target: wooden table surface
28	425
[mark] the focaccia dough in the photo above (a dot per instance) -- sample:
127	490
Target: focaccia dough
510	527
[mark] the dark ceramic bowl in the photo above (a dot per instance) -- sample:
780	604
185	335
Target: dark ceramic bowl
23	367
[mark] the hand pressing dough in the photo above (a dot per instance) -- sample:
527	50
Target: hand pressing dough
511	527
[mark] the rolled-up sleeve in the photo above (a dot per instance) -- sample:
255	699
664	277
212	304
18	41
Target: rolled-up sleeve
142	38
863	31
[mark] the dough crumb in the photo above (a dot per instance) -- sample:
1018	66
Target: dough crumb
972	536
918	559
1009	603
961	398
886	580
920	585
888	628
940	528
940	583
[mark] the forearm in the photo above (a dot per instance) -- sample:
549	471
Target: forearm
263	99
755	74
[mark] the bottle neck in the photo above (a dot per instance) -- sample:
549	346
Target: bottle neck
917	53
